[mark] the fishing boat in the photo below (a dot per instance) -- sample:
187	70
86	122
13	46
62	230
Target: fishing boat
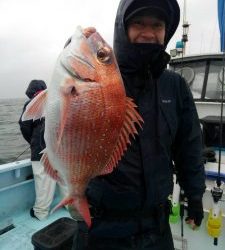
204	73
17	184
17	197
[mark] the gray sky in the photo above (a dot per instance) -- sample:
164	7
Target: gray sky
33	33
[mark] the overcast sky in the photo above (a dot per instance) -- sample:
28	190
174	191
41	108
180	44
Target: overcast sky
33	33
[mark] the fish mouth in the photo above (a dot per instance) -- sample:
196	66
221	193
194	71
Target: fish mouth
74	73
87	49
82	60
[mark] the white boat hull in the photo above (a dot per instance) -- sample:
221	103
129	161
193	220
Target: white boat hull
209	109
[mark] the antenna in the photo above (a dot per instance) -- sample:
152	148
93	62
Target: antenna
185	28
181	45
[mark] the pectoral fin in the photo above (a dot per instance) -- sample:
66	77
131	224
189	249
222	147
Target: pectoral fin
35	109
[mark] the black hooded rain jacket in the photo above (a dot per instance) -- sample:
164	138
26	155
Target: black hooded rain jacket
33	131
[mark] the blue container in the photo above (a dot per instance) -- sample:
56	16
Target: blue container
179	45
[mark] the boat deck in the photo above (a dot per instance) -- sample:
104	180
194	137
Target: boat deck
17	197
19	238
197	240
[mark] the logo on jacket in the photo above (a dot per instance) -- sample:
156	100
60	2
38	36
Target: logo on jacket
166	101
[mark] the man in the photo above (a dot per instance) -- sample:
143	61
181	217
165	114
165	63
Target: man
129	206
33	133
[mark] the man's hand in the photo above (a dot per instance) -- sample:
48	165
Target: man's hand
195	213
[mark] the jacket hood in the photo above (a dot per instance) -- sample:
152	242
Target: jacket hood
34	87
127	7
128	54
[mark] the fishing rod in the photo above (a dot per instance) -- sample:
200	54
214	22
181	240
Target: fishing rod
178	197
184	41
21	153
214	223
218	181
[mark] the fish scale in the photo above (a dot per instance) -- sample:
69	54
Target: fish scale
89	119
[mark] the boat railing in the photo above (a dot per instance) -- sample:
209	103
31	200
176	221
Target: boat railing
15	173
14	165
16	188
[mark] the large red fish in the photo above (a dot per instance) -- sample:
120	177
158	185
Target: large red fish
88	118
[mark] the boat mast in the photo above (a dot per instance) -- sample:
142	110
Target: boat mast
185	28
180	49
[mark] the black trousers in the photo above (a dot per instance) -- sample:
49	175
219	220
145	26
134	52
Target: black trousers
146	241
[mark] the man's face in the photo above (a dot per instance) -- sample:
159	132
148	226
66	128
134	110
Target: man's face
146	29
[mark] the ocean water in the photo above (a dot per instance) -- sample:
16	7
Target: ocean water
12	143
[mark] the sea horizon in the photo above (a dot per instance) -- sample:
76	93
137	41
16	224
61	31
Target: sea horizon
12	143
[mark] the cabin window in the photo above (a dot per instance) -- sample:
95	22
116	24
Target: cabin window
214	83
194	74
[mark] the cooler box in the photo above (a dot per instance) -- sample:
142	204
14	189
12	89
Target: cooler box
211	131
58	235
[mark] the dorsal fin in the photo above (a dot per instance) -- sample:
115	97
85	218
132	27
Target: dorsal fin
131	117
35	109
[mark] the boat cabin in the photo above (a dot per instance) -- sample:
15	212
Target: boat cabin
205	75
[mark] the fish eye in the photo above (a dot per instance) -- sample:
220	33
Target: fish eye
104	55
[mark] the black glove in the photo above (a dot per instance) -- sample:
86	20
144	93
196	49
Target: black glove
195	211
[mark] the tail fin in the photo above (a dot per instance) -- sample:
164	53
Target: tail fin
82	207
64	202
80	204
